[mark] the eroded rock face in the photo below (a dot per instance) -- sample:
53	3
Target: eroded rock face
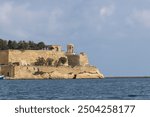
58	75
89	75
61	72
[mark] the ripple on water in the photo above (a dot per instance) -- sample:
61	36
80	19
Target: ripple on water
111	88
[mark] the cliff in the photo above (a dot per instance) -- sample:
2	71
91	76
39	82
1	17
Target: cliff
61	72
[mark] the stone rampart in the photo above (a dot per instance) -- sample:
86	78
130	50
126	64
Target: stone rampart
3	57
46	64
29	57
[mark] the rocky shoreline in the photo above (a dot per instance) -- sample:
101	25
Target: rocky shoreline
56	73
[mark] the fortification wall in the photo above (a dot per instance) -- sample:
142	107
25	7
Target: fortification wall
25	64
46	72
83	59
28	57
76	60
73	60
7	70
3	56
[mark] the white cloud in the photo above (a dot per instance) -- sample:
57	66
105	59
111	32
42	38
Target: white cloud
22	22
142	17
18	20
107	10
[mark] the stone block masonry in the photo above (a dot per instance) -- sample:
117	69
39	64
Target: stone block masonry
46	64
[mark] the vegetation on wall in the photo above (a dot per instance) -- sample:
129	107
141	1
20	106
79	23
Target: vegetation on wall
62	60
22	45
40	61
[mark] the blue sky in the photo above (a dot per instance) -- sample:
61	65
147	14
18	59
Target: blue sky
114	33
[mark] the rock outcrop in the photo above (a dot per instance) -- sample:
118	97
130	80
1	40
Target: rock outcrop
62	72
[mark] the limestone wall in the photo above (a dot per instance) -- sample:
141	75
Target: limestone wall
76	60
29	64
83	59
7	70
73	60
28	57
46	72
3	56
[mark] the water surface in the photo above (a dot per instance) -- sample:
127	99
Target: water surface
76	89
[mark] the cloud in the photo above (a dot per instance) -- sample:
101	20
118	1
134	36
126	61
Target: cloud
107	10
18	20
25	21
55	23
141	17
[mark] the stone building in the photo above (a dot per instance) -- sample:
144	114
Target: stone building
46	64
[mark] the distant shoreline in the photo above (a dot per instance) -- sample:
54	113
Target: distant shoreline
127	76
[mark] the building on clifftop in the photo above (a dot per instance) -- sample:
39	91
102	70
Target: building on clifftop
49	63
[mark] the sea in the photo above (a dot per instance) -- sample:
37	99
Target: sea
76	89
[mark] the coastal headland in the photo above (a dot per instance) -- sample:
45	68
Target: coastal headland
48	63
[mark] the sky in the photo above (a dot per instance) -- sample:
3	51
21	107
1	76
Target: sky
114	33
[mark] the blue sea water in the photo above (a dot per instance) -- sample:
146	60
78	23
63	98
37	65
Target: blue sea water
76	89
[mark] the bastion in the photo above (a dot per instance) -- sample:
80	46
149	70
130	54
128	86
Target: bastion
48	63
